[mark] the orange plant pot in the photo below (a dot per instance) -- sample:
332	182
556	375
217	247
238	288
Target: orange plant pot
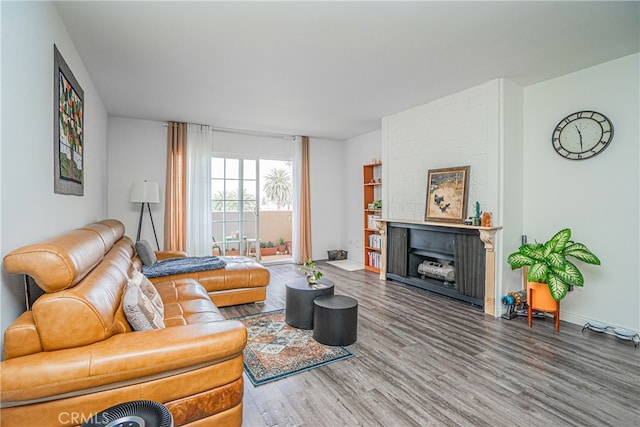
268	251
541	298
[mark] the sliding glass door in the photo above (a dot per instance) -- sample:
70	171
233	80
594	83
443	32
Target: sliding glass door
275	209
251	207
234	201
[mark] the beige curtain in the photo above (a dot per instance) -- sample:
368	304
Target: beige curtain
305	203
175	224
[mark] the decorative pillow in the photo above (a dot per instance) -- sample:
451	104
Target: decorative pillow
148	290
146	252
141	313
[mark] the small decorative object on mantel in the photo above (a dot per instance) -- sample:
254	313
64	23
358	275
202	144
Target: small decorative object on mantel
447	194
311	271
476	218
486	220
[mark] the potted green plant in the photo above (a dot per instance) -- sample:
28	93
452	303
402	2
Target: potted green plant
268	248
281	245
476	219
311	271
548	264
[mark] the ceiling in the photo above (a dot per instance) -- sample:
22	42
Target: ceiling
329	69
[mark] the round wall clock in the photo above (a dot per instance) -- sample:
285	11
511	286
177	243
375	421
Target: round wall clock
582	135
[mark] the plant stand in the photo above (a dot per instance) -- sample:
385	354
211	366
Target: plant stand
532	289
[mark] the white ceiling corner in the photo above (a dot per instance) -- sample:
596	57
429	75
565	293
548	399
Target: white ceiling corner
329	69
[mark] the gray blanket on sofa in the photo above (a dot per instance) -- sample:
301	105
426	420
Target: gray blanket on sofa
192	264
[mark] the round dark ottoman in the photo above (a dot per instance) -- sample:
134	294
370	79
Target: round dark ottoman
299	301
335	320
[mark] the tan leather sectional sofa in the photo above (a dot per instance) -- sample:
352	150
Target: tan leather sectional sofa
74	354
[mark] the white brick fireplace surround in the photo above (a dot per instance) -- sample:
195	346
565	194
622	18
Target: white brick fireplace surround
466	128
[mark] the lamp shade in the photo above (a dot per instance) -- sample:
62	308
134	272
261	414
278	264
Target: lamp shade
144	192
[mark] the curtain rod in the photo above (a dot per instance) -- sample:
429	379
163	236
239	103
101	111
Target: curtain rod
243	131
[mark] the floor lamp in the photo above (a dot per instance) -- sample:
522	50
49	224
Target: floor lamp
145	192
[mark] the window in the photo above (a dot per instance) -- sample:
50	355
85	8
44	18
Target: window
233	204
251	202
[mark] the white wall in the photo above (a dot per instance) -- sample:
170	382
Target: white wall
30	209
327	182
359	151
510	182
597	198
458	130
137	150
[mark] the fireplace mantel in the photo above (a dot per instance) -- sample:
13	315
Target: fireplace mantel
486	234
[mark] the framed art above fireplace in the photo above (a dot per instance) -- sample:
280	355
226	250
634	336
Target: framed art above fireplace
447	194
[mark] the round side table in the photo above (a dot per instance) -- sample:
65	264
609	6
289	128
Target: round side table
335	320
299	301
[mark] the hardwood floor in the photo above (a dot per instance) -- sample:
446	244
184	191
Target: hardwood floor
426	360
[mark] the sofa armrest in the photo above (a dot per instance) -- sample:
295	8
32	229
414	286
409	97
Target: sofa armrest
162	255
131	357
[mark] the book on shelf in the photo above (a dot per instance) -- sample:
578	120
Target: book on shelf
371	221
375	259
375	241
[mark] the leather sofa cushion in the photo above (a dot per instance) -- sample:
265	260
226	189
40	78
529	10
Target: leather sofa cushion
91	311
121	359
63	261
109	230
186	302
21	337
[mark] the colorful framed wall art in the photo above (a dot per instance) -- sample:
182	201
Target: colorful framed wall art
68	129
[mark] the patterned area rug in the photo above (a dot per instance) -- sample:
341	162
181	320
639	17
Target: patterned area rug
276	350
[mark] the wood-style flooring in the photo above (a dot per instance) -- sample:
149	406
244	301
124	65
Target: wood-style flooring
425	360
